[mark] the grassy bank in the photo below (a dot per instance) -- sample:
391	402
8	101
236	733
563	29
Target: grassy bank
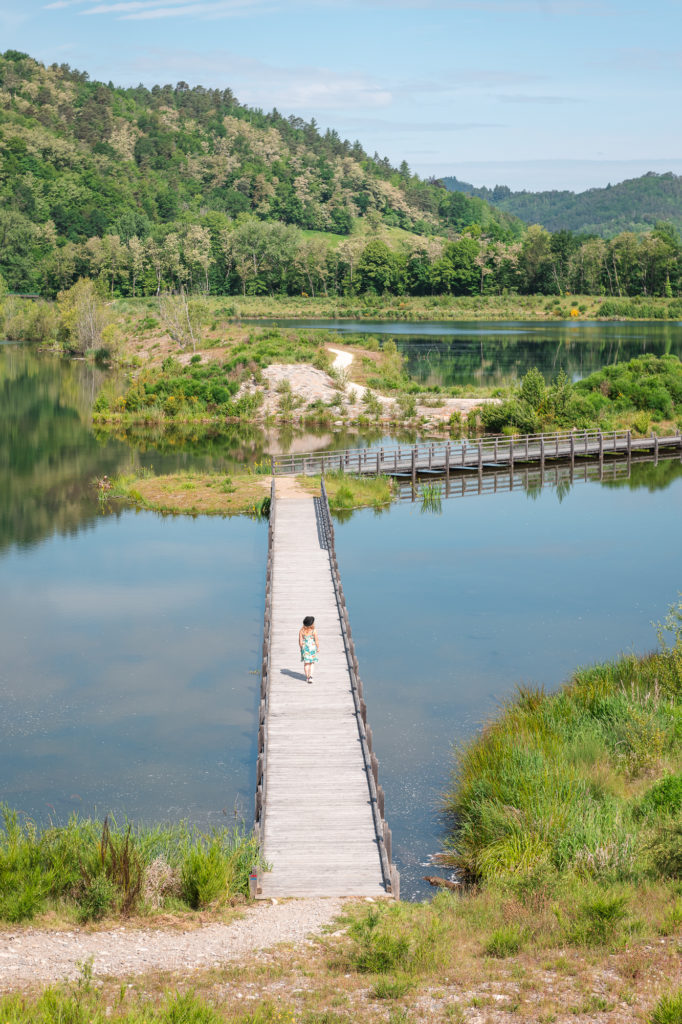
347	493
91	870
643	393
449	307
192	493
580	793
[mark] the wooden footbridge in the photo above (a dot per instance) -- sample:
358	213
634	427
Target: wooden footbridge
319	807
446	457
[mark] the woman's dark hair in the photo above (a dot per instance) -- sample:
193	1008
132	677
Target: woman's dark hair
308	620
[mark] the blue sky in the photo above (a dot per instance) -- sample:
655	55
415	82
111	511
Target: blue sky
530	93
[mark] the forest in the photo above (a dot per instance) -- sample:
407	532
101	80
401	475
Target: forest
185	190
636	204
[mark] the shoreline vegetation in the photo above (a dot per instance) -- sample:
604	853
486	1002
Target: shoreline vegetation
563	824
87	871
277	379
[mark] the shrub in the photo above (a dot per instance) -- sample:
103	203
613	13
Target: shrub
598	920
666	850
664	797
392	988
377	950
96	899
668	1009
504	941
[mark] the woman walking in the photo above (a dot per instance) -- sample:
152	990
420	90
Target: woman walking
310	645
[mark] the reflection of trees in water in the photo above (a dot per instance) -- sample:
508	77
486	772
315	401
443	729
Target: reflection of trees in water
654	478
48	456
495	359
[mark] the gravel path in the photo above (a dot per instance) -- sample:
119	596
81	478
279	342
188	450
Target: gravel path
30	955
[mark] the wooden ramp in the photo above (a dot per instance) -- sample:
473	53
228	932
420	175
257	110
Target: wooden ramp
317	814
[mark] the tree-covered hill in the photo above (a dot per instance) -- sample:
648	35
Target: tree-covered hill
81	160
633	205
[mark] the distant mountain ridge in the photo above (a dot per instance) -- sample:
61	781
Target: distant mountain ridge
636	204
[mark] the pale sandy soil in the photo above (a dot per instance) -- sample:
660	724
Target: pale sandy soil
309	384
29	955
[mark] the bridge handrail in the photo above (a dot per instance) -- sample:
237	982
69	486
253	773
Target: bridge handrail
383	832
491	442
261	764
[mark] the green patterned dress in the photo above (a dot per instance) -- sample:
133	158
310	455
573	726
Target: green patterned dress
309	648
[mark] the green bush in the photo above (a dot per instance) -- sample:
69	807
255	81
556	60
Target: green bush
96	899
666	850
504	941
377	950
100	868
664	797
597	922
668	1009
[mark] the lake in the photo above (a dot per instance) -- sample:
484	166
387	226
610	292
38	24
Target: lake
131	641
492	354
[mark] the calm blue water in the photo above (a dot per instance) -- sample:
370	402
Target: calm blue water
450	613
130	641
127	678
486	354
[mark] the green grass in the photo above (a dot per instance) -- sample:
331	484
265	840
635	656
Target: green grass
574	783
347	493
668	1009
90	870
82	1004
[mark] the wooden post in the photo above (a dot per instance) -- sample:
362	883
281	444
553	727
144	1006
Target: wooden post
359	463
655	449
601	453
585	440
526	447
378	461
480	458
387	841
395	460
556	452
414	471
511	455
496	449
572	453
430	456
542	454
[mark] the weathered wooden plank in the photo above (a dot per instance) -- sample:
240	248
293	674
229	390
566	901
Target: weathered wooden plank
318	826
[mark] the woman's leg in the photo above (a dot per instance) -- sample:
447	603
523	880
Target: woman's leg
306	668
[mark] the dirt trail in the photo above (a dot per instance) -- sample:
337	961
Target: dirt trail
29	956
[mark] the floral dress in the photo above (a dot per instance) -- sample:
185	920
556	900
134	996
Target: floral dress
309	648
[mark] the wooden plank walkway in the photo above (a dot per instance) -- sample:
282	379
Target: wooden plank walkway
316	811
460	456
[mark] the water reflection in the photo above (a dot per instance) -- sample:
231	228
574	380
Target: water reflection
50	456
492	354
130	649
451	612
128	678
